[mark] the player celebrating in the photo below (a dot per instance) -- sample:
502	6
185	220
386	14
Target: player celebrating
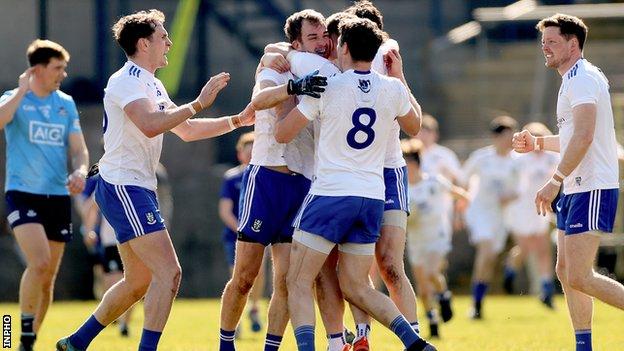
349	175
274	186
587	173
137	112
492	188
41	126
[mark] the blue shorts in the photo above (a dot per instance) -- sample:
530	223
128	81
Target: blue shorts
341	219
397	198
53	212
131	210
589	211
229	248
269	202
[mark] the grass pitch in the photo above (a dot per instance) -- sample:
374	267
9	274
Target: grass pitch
510	323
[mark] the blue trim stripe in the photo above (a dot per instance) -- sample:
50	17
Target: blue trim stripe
594	210
129	210
401	189
573	71
247	201
134	71
306	202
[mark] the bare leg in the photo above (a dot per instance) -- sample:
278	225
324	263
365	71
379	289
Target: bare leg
389	252
329	297
278	311
246	267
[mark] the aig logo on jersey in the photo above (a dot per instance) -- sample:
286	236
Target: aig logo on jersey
46	133
364	85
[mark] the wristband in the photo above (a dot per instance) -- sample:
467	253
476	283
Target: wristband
555	182
538	144
197	105
231	123
192	109
559	174
236	120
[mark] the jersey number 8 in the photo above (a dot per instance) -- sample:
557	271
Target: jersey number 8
358	126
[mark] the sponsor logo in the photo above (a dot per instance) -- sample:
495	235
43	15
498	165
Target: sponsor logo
256	225
31	213
151	219
64	232
364	85
46	133
13	216
389	201
577	225
45	110
29	108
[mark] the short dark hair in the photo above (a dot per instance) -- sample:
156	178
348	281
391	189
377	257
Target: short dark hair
294	22
362	37
502	123
333	22
41	51
568	25
366	9
129	29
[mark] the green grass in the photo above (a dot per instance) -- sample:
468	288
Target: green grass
511	323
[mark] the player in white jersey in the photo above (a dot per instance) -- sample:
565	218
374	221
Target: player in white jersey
429	229
137	112
530	230
356	114
587	174
492	177
440	160
274	185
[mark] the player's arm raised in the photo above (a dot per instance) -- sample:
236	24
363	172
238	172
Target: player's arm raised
204	128
152	122
394	64
9	105
269	95
287	128
524	142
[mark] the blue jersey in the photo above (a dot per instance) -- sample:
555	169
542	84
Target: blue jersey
231	190
37	141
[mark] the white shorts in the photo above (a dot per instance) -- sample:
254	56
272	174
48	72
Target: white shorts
523	220
420	245
486	225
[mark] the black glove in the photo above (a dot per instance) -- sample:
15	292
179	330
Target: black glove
311	85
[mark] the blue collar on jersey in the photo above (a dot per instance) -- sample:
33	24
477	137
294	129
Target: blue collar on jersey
361	72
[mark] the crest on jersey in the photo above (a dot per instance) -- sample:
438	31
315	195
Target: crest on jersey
151	219
364	85
256	225
62	112
578	180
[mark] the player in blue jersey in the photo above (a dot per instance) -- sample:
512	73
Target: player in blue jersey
41	127
355	117
587	175
138	111
228	212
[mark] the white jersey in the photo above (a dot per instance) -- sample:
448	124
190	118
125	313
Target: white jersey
356	113
394	154
131	158
266	150
584	83
438	159
301	64
491	177
429	217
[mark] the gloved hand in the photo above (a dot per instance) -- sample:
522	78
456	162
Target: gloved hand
311	85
